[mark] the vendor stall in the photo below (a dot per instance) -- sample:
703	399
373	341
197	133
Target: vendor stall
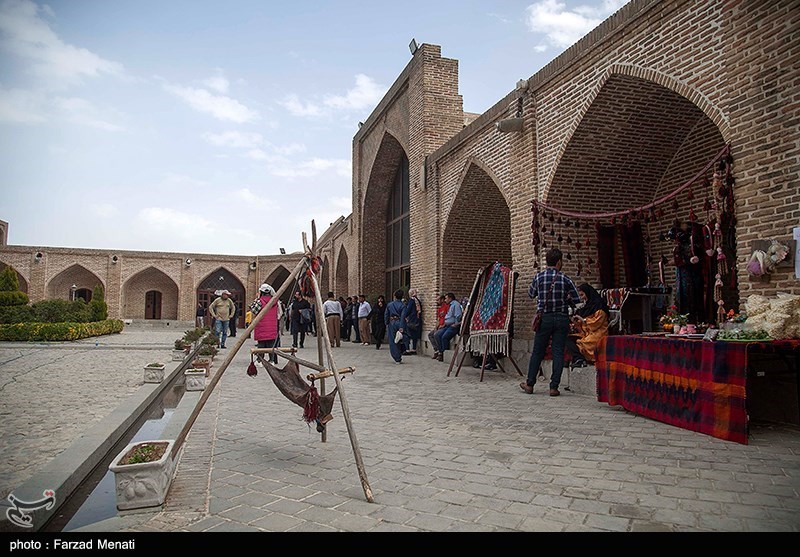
694	384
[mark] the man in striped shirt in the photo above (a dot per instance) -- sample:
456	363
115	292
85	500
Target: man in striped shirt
555	294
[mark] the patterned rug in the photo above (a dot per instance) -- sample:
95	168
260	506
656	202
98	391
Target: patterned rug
491	318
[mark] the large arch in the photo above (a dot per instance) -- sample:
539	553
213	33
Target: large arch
141	289
325	284
60	286
373	239
342	274
23	284
276	278
474	238
637	142
222	279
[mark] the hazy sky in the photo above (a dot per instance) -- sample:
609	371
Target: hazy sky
226	127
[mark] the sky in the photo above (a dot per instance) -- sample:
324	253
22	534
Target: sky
212	127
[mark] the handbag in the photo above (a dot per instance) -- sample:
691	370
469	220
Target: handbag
536	323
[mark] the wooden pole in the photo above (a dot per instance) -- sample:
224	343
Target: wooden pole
243	337
320	337
342	397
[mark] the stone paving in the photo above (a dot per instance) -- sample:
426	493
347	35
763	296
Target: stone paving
440	453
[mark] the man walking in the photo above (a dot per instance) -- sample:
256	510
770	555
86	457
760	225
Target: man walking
221	310
364	310
555	293
333	320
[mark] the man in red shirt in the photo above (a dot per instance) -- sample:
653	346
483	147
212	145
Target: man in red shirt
441	312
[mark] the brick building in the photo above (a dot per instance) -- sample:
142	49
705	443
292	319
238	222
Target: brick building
629	113
626	115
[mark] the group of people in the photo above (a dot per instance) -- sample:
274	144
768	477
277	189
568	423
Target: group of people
573	320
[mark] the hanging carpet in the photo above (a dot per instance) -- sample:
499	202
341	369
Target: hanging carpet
294	387
491	318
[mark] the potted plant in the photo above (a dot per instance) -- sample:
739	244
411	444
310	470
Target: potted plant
208	350
202	363
143	472
195	379
181	350
154	372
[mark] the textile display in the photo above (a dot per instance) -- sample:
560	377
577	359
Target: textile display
696	385
295	388
490	321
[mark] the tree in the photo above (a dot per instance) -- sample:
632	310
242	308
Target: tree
98	304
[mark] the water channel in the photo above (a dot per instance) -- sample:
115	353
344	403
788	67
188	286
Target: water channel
95	499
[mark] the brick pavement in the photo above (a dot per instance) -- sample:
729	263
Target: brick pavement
452	454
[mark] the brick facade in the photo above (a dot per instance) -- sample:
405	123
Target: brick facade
623	117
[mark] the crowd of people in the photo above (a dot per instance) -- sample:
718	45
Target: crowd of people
574	319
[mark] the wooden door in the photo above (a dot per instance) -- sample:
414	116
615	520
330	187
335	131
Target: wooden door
152	305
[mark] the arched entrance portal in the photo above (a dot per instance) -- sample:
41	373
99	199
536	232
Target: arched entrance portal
385	234
638	141
139	298
342	272
68	283
23	284
213	284
276	278
475	238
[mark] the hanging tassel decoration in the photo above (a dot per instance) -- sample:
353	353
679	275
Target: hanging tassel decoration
718	288
252	371
311	408
722	264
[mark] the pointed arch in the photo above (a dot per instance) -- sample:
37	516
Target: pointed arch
325	284
641	136
276	278
222	279
475	238
150	294
383	236
342	273
60	286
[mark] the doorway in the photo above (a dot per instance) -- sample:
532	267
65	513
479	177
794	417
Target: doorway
152	305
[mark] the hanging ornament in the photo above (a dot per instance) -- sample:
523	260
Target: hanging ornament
590	261
588	243
692	216
707	205
544	228
560	238
718	288
690	194
559	220
578	244
675	204
552	232
722	264
569	239
550	217
569	257
660	213
720	313
580	269
544	244
567	223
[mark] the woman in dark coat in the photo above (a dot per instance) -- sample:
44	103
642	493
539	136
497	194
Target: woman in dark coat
378	324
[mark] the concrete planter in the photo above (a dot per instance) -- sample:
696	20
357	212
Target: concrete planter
154	374
202	363
143	484
195	379
178	355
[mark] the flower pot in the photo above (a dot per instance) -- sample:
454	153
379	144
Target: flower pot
143	484
195	379
178	355
154	374
202	363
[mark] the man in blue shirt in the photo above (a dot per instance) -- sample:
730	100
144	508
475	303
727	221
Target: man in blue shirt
452	324
555	294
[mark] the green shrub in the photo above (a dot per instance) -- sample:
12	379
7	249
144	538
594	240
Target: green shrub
16	314
13	298
24	332
8	280
98	306
62	311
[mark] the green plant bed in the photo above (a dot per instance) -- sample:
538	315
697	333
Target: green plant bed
25	332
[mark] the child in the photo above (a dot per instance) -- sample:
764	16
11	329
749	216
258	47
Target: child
248	318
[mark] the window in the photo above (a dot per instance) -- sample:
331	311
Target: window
398	241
